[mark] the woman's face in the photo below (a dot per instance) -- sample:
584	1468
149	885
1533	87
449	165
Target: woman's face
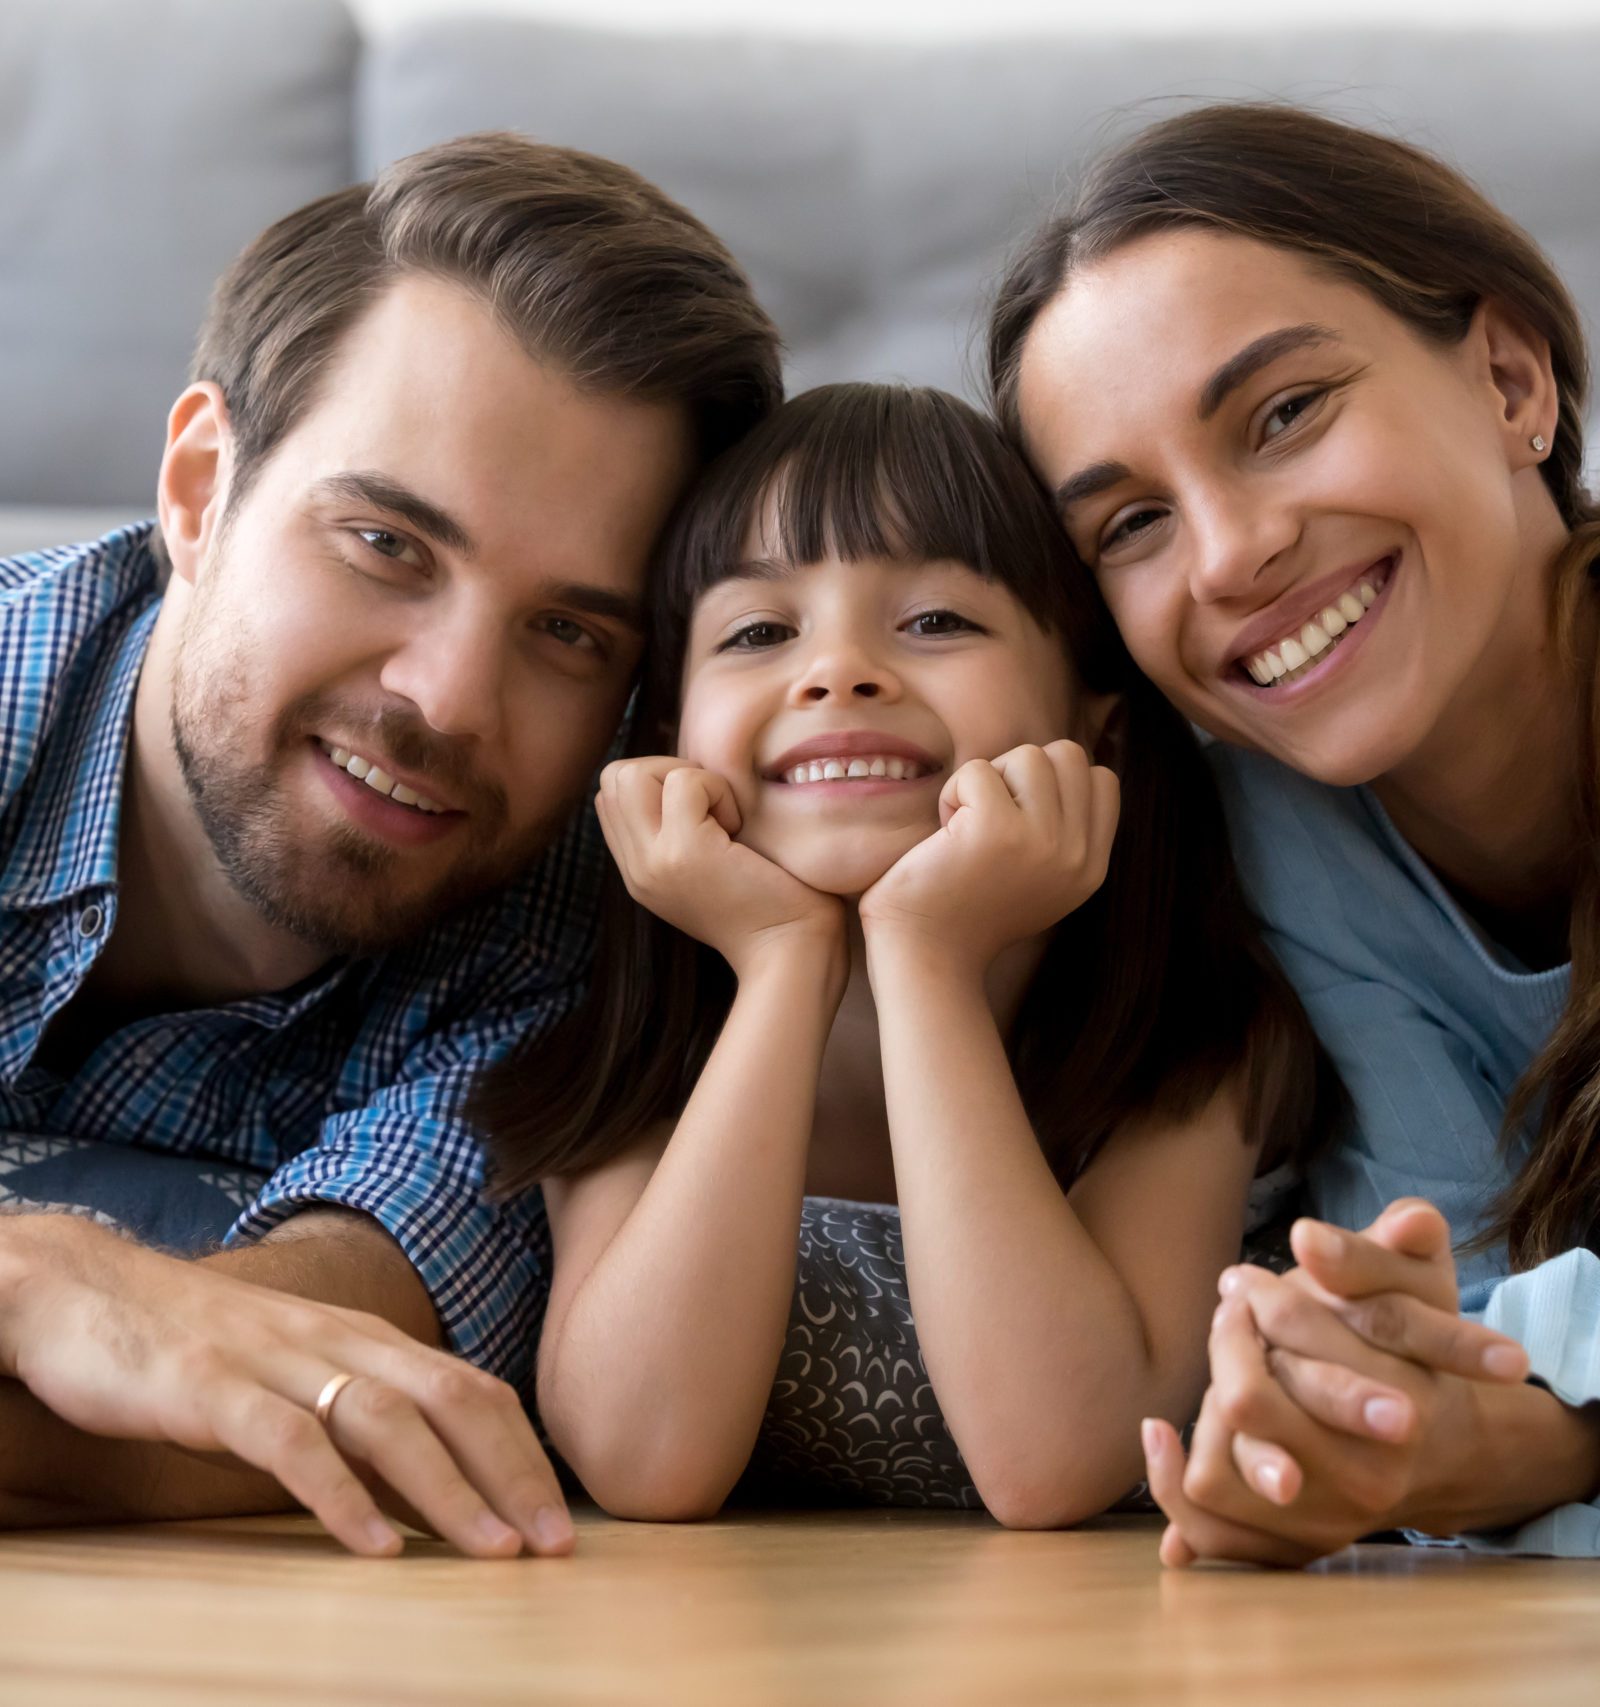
838	698
1308	522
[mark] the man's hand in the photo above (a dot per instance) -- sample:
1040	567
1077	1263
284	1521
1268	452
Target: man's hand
124	1342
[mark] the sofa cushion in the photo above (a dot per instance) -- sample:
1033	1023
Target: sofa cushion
872	189
140	147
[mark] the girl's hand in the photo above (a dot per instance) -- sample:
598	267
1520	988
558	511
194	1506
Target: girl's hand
670	828
1023	840
1346	1397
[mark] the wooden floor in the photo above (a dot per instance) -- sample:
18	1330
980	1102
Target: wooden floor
882	1609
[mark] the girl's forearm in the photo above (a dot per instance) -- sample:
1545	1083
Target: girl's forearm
659	1372
1034	1345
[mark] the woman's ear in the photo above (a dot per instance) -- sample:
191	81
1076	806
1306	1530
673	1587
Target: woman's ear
1520	370
1103	721
192	491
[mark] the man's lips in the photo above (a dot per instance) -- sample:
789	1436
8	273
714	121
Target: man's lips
848	744
387	779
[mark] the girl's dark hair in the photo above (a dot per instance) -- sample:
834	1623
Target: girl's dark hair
1419	238
1149	996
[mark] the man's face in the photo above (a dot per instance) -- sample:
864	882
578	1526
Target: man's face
414	635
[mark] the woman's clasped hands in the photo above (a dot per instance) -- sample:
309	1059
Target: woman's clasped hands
1348	1396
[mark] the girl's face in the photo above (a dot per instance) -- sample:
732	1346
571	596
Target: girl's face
1310	525
838	698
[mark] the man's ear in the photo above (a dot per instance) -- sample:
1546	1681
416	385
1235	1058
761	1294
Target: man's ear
1521	373
1102	722
192	492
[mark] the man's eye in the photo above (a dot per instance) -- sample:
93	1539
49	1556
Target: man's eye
391	545
938	622
570	633
755	636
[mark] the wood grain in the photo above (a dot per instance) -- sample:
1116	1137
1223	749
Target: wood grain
788	1609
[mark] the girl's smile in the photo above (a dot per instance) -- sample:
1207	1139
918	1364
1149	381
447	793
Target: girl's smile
839	697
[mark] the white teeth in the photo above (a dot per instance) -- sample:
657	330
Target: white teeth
1315	639
1292	653
1260	672
1275	665
1366	595
1351	608
852	770
379	780
1333	622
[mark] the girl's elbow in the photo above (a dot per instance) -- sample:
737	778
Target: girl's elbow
643	1486
1024	1494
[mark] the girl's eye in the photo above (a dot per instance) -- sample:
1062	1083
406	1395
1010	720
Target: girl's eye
1282	416
756	636
1128	526
570	633
938	622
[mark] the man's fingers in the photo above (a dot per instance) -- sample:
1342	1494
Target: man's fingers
288	1442
1439	1340
483	1424
382	1427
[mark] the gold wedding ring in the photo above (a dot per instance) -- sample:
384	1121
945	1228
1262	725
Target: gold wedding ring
329	1396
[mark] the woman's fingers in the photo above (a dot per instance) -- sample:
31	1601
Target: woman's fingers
1407	1249
1195	1533
1339	1398
1266	1468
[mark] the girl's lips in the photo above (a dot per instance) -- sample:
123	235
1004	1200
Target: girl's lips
847	744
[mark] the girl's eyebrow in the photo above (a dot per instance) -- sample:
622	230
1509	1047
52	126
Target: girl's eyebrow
759	569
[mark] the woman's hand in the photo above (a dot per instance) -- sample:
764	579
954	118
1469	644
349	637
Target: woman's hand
1345	1397
1023	840
670	828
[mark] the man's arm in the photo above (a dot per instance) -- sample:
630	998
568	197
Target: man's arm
136	1361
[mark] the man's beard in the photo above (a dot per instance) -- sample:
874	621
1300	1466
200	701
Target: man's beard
334	888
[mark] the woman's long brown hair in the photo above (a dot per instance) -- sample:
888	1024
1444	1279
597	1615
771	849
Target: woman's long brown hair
1429	247
1149	998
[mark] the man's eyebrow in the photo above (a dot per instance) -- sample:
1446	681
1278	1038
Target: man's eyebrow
602	602
1253	357
378	490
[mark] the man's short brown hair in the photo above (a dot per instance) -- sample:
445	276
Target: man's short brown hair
594	271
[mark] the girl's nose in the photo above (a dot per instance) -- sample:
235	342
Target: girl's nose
846	674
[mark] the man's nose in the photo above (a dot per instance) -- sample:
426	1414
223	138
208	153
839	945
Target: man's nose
453	672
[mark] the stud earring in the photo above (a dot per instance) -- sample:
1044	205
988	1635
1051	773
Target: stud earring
1537	441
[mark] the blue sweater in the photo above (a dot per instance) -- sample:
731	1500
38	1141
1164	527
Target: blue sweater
1431	1025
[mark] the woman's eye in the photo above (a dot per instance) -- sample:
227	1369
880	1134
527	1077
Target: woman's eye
570	633
938	622
755	636
1282	416
1129	526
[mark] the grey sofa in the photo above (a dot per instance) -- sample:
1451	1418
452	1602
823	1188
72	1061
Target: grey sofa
871	190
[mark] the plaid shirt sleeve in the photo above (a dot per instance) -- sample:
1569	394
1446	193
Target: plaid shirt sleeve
407	1158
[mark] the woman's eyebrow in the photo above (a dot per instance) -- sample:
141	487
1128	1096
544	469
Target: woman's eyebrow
1262	352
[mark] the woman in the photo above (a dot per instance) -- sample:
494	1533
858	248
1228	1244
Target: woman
1312	411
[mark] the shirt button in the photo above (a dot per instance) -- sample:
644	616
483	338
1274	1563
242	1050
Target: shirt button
90	920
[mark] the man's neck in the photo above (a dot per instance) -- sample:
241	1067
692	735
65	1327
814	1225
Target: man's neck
184	936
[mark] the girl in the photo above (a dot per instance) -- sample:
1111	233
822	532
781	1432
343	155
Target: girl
1312	409
879	948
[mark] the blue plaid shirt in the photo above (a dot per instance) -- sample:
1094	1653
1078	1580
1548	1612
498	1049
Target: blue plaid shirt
344	1086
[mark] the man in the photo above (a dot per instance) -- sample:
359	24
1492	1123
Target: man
272	784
